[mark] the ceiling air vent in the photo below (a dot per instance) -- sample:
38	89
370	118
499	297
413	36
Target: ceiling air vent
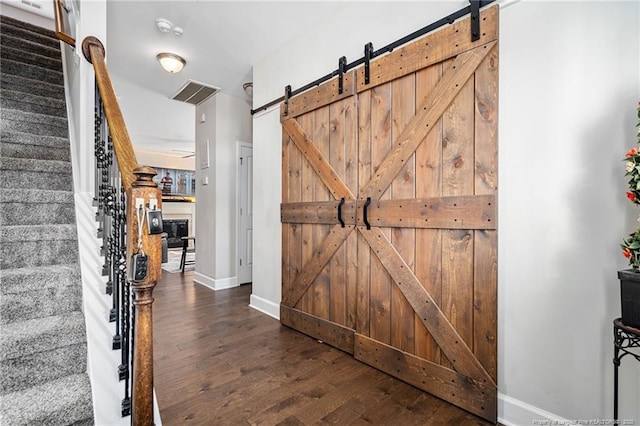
194	92
35	4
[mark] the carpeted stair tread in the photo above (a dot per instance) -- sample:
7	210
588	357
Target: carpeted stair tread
19	101
35	174
10	40
14	137
30	58
35	196
32	72
37	245
40	303
32	164
23	233
31	31
38	213
18	150
37	124
20	280
65	401
26	371
36	207
41	334
21	84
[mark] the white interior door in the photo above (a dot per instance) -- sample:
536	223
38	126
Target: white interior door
245	213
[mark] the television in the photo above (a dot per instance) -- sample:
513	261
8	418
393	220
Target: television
176	184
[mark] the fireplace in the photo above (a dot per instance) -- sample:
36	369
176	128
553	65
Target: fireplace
175	229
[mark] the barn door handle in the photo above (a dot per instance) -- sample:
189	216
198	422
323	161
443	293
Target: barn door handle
340	212
365	213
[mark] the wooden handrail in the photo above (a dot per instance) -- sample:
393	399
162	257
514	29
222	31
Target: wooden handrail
60	33
93	51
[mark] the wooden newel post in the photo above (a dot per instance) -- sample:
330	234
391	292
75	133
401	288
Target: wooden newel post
141	191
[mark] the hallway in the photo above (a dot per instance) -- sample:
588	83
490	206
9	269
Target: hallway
219	362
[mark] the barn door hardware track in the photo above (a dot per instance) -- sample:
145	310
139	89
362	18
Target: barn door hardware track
473	9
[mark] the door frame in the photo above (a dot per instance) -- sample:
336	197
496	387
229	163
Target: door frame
239	146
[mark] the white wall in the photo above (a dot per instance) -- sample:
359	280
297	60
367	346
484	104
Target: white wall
569	84
154	122
228	120
162	159
20	12
568	93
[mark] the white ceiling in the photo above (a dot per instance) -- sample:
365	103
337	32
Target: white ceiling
221	40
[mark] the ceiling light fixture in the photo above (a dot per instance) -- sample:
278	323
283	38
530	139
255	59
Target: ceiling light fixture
248	88
171	62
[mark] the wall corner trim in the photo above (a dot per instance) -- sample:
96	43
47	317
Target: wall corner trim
265	306
215	284
513	412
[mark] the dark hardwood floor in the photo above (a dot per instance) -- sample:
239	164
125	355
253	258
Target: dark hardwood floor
218	362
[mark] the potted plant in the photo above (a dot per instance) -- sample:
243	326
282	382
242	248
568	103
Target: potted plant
630	278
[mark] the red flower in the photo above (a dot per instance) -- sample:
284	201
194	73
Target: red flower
632	152
627	253
631	196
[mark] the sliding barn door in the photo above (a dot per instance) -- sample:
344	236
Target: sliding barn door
320	178
389	214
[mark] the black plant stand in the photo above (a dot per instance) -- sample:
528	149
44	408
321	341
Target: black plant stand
626	341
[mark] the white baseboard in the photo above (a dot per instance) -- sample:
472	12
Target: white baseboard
513	412
213	284
265	306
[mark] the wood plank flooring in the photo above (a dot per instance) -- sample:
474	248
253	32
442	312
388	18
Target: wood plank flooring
219	362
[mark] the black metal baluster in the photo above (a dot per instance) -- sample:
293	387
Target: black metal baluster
126	309
132	311
110	199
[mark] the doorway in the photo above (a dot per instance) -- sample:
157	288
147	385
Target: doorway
244	212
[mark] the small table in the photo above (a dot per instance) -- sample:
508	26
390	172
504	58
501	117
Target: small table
185	250
626	341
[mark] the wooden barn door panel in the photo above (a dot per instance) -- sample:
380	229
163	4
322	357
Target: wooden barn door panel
411	290
429	272
319	254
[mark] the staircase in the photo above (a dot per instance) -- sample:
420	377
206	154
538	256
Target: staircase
43	345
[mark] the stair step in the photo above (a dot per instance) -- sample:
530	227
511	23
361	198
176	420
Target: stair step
19	101
35	174
36	207
41	334
21	84
40	303
16	42
28	31
65	401
27	371
14	137
37	245
37	124
28	58
19	150
16	281
32	72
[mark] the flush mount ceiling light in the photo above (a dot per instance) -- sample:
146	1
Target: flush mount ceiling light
171	62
